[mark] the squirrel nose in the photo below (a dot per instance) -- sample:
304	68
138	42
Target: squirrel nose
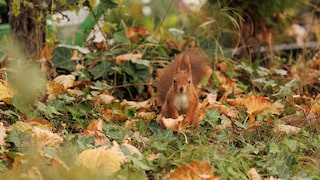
181	89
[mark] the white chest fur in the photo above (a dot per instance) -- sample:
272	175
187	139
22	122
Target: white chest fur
181	102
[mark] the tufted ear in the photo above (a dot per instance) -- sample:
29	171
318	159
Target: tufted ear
187	63
179	61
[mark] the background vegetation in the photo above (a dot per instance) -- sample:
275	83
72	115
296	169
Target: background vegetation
90	111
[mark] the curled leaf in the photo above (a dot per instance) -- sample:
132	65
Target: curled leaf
66	80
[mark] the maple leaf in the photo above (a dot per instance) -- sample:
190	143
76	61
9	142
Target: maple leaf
194	171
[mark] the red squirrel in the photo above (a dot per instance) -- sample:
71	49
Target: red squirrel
177	86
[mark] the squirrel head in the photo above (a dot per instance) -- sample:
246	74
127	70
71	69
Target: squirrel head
182	79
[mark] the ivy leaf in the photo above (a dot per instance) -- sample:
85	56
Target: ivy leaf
101	70
61	58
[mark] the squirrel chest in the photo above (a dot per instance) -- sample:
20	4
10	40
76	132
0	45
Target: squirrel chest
181	102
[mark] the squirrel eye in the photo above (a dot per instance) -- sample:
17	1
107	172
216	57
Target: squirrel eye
189	81
174	81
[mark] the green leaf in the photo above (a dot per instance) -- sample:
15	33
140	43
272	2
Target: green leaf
3	3
212	117
61	58
108	4
101	70
291	144
121	37
18	138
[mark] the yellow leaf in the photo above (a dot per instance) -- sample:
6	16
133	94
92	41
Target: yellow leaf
100	160
6	93
194	171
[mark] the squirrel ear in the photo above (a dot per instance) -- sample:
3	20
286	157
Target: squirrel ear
187	62
179	60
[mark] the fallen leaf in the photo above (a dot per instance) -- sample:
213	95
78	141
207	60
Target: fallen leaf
255	105
66	80
54	89
3	134
99	160
107	99
253	174
286	129
95	129
277	107
194	171
45	138
75	55
114	114
6	93
136	32
315	109
127	57
152	157
171	123
138	105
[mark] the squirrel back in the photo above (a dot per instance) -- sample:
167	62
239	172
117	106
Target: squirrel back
200	69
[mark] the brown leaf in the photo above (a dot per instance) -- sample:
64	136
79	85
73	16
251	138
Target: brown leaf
114	114
95	129
316	106
138	105
256	104
136	32
194	171
46	138
54	89
127	57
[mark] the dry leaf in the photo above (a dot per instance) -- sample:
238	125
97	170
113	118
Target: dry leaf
194	171
146	116
253	174
135	32
133	150
66	80
54	89
100	160
114	114
277	107
286	129
255	105
138	105
3	134
127	57
46	52
45	138
95	129
117	150
316	106
152	157
172	124
41	123
107	99
6	93
75	55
